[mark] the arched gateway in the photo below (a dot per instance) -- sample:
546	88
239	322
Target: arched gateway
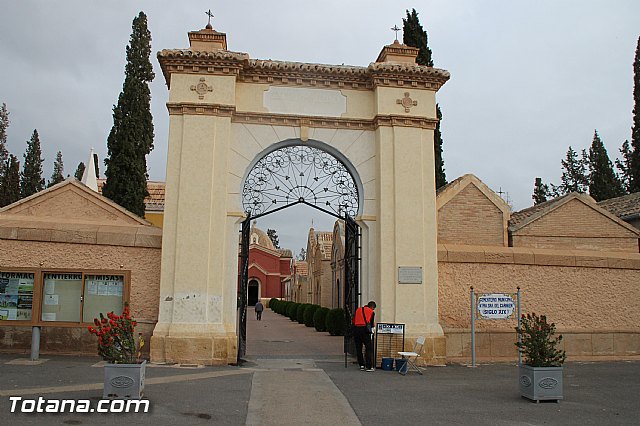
229	112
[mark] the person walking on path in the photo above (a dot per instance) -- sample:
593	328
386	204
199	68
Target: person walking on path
363	323
259	309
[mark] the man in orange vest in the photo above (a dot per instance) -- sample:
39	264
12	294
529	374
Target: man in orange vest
363	323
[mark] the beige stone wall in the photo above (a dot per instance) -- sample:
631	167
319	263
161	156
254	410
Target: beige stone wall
594	298
576	225
470	218
143	263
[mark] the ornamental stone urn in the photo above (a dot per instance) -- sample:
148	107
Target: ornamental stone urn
540	383
124	381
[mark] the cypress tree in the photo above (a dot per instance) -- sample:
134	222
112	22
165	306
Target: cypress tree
31	180
58	171
540	192
79	171
414	35
131	137
623	165
10	186
603	181
574	176
4	153
634	163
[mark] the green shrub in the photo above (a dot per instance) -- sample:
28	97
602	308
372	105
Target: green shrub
272	302
300	313
292	311
320	319
309	314
282	307
336	322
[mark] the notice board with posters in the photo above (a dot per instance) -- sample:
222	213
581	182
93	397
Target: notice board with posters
389	340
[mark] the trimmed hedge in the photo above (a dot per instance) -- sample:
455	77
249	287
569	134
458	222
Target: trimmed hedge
292	311
336	322
300	313
309	314
271	303
320	319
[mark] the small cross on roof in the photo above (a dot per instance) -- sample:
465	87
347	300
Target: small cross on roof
396	29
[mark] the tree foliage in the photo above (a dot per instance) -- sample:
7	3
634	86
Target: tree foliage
79	171
58	171
273	236
634	152
413	34
4	153
537	342
603	181
574	175
10	185
131	137
541	192
31	180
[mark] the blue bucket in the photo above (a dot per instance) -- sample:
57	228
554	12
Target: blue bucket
400	363
387	364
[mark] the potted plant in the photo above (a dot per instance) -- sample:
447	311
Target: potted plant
540	375
124	373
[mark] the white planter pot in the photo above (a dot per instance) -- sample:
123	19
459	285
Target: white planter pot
124	381
540	383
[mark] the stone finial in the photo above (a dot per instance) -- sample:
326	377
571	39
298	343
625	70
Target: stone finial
398	53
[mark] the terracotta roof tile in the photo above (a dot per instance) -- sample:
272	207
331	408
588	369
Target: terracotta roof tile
627	205
154	201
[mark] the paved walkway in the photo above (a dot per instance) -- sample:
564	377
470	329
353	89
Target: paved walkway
294	375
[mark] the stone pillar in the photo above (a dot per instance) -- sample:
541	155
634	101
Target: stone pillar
196	321
407	214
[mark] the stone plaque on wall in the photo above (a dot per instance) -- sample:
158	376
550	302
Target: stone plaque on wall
410	274
302	101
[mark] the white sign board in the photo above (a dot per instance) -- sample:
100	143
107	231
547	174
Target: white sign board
496	305
386	328
410	274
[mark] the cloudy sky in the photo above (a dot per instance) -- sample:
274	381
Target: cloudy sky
528	79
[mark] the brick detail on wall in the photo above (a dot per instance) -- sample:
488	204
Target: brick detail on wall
471	218
576	225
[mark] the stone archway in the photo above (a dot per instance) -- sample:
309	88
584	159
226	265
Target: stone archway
225	110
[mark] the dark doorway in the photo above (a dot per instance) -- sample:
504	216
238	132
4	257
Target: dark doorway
253	293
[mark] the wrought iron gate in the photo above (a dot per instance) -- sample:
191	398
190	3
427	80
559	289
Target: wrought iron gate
352	280
242	291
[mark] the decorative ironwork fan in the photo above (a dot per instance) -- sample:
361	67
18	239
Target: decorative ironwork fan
300	174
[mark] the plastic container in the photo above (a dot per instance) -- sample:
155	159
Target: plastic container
387	364
401	363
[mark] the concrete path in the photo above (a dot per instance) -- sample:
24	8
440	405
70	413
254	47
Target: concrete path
287	378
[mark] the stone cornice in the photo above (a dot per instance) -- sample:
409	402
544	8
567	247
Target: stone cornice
404	121
218	62
304	74
407	75
290	120
200	109
298	121
223	62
